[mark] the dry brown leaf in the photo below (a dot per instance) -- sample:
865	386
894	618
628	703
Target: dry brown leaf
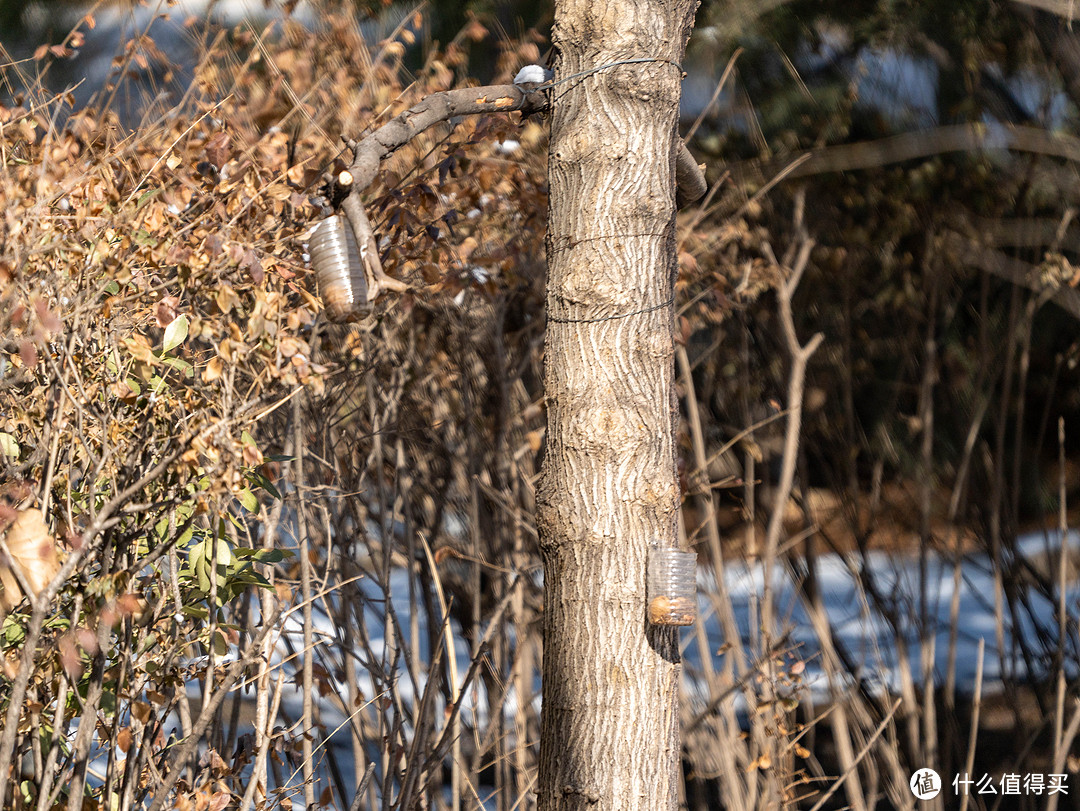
166	311
28	354
139	348
33	548
140	711
226	298
213	370
49	320
218	148
70	657
535	439
763	763
10	593
252	455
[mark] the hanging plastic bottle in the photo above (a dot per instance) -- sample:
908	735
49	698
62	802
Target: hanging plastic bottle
338	270
672	586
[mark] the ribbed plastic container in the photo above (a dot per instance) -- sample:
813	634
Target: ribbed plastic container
338	270
672	586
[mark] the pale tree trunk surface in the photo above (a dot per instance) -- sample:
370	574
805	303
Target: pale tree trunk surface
609	726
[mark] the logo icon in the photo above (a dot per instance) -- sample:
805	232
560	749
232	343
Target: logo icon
925	784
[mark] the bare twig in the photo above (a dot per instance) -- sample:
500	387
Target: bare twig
1062	751
358	798
858	759
369	153
976	706
232	674
800	357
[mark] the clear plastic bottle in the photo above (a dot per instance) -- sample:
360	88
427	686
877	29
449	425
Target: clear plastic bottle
672	586
338	270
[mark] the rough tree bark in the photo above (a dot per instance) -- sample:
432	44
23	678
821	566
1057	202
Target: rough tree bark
609	727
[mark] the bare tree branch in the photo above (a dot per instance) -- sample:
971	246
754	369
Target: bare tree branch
369	153
971	253
232	674
689	180
922	144
795	261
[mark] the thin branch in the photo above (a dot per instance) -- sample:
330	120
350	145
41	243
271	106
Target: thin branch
976	706
921	144
185	750
369	153
800	357
858	758
358	798
971	253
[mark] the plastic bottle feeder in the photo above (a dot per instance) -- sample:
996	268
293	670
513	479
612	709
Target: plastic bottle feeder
672	586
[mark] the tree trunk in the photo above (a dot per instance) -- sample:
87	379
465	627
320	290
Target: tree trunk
609	726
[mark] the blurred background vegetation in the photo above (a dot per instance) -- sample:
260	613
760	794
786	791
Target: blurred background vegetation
207	457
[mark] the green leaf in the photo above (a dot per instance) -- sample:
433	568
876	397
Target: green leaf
175	333
112	288
14	632
200	484
258	479
268	486
198	611
247	577
146	197
261	555
221	646
62	623
224	553
247	498
185	536
150	641
197	556
247	438
181	364
182	513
